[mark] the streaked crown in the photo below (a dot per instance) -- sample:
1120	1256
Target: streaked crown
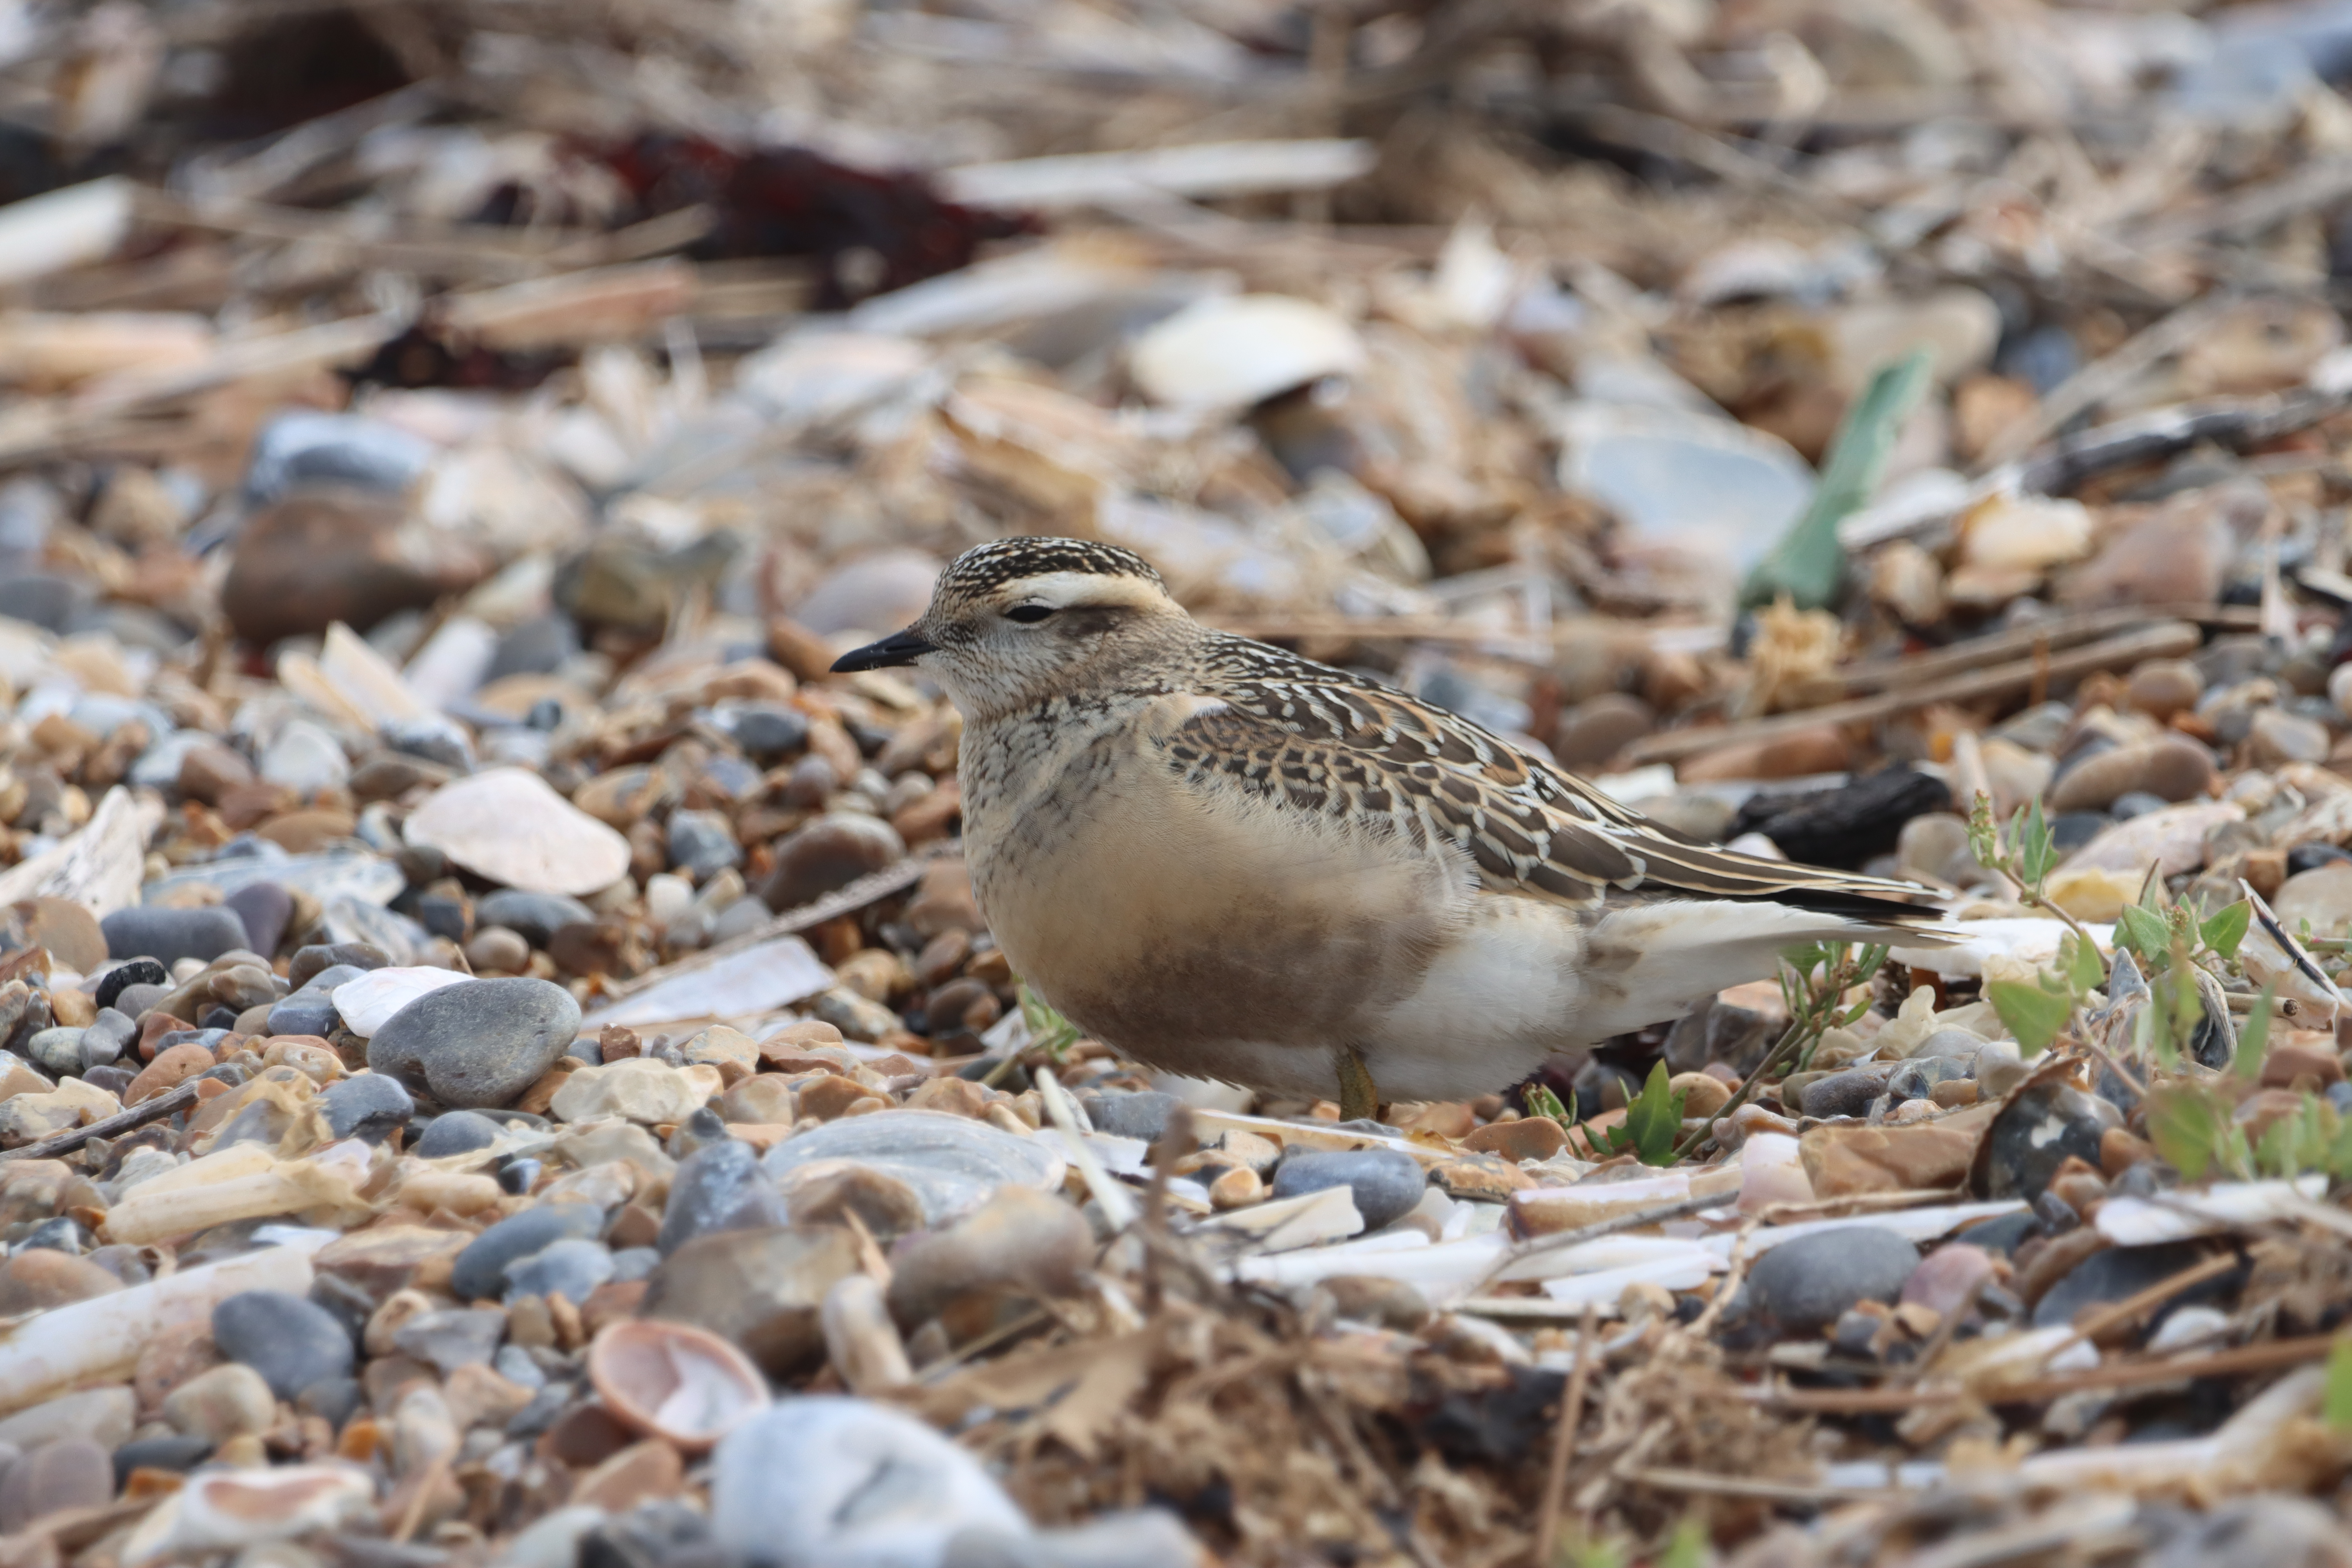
984	568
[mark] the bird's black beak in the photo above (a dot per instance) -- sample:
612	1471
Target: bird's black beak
899	647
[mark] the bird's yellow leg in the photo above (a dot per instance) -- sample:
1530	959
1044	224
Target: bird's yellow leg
1360	1097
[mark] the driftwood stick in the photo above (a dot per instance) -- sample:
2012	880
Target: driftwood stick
137	1115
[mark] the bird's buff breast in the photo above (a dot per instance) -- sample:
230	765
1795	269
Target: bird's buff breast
1178	928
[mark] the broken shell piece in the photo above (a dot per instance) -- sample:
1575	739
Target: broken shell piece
2273	957
675	1382
225	1510
1224	353
367	1002
506	823
2226	1206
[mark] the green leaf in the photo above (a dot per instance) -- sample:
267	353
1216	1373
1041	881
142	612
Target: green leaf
2255	1036
1808	563
2226	930
1688	1548
2336	1401
2037	851
2033	1013
1654	1121
2183	1122
2079	963
2142	931
1984	839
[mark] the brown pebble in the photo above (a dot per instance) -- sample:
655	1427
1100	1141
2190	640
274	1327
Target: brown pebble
2119	1150
2160	688
497	948
829	1095
957	1096
1529	1138
1815	749
41	1278
1593	732
2290	1061
69	1473
638	1473
1704	1094
585	1435
1237	1186
887	1206
2175	768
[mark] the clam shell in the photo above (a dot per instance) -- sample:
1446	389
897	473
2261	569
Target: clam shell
675	1382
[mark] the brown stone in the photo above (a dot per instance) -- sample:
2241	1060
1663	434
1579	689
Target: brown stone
1481	1177
2289	1061
306	832
2173	768
1704	1094
764	1098
250	806
1529	1138
69	931
1840	1161
887	1206
1445	1118
957	1096
585	1435
828	1095
2119	1150
324	554
611	1302
210	771
638	1473
41	1277
943	901
168	1071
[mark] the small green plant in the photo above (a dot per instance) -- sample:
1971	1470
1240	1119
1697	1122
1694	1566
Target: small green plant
1652	1121
1048	1031
2336	1401
1813	983
2026	855
1541	1102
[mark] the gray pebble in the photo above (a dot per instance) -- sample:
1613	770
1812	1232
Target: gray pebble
1847	1093
536	916
1914	1077
717	1187
2034	1134
108	1036
477	1043
1807	1284
2120	1271
1143	1115
479	1272
702	842
1386	1184
366	1105
455	1133
291	1341
55	1051
169	935
449	1340
569	1269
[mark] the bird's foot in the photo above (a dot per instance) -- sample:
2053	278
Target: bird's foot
1360	1097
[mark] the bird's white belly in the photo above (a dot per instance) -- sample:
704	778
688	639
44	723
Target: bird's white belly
1502	995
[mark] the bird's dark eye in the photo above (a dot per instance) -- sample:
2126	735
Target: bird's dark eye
1028	614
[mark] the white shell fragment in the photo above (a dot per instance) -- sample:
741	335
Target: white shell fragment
224	1510
506	824
758	979
2179	1215
367	1002
1227	351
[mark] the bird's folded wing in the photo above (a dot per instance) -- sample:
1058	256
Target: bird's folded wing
1361	752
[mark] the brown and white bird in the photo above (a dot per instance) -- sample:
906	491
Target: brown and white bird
1235	863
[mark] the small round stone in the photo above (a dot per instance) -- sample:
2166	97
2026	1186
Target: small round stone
169	935
478	1043
830	853
1386	1184
366	1105
768	733
454	1132
1807	1284
263	908
1845	1093
291	1341
2174	767
2279	737
2161	688
498	948
713	1188
57	1052
702	842
227	1402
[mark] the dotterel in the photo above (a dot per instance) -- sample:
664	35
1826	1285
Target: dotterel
1235	863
